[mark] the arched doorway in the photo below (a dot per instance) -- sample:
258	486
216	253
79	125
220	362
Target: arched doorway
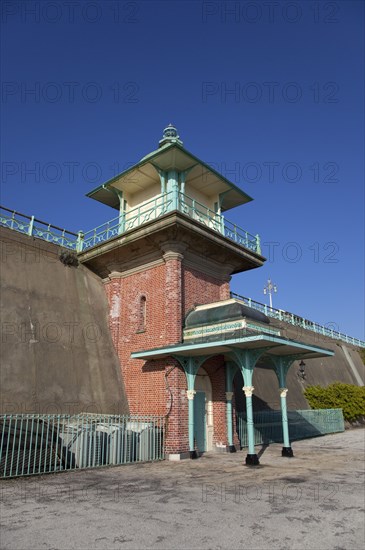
203	412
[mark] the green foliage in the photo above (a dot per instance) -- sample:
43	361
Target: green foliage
349	398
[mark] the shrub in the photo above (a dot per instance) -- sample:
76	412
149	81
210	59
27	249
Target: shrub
69	258
349	398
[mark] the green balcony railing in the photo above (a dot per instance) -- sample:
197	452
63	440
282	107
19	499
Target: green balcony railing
162	205
127	221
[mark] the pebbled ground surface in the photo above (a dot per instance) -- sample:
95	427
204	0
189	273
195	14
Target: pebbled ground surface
312	501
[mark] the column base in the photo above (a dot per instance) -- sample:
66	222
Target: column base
287	451
252	460
193	454
231	449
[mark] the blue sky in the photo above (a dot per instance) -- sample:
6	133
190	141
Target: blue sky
269	93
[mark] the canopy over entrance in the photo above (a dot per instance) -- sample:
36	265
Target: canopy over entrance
274	346
227	329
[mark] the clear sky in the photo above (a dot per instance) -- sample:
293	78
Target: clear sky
269	92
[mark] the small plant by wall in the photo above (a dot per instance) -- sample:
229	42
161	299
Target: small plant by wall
69	258
349	398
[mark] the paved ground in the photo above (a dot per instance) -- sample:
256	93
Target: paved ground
312	501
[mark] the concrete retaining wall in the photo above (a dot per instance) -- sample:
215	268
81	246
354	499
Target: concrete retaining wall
57	355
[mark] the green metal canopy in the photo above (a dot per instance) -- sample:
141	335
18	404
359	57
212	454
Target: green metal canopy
171	156
275	346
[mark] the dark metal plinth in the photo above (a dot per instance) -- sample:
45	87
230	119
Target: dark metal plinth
252	460
193	454
287	451
231	449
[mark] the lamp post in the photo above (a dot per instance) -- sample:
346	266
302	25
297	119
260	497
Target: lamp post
301	371
269	289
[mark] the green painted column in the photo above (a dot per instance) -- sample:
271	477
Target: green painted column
191	366
246	360
229	395
121	225
190	395
173	188
230	372
281	366
190	374
250	425
284	417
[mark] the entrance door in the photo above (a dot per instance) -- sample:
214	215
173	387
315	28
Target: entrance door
199	421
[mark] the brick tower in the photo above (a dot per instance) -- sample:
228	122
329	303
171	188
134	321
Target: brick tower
168	252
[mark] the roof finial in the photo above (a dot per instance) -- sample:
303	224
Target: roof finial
170	135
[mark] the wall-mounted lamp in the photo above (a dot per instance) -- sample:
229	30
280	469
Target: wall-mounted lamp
301	371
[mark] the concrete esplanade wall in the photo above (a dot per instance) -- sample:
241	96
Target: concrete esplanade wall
57	355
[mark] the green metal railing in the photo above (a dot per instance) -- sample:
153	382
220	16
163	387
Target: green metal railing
127	221
39	444
29	225
302	424
298	321
162	205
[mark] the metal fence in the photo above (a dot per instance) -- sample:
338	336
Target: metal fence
302	424
298	321
39	444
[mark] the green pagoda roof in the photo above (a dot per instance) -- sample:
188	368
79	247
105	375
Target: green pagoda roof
171	155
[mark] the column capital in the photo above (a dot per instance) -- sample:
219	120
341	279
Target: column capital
229	395
248	390
190	394
283	392
173	250
114	274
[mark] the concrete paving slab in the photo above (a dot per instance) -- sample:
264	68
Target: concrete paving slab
313	501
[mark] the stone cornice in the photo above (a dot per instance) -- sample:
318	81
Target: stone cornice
208	266
126	273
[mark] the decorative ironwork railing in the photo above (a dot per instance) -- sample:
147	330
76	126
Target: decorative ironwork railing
164	204
29	225
146	212
140	215
39	443
218	223
298	321
302	424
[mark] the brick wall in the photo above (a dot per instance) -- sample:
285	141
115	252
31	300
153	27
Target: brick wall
144	383
146	311
200	288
